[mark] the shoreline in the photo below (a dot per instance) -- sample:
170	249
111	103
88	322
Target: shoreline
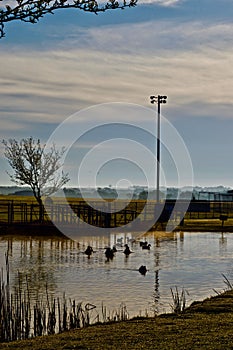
204	324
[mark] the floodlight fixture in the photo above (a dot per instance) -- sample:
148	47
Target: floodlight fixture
158	99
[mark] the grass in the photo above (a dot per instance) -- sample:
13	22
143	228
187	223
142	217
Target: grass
204	325
207	225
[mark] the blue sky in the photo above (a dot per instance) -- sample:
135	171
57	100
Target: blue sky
71	60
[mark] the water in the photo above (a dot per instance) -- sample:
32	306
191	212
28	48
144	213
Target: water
195	261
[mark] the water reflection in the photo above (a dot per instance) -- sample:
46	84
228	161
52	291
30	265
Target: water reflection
191	260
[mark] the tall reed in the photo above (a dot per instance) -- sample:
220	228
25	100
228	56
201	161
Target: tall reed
23	318
227	282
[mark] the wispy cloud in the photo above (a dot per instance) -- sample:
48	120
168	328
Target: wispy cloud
65	70
161	2
152	36
190	61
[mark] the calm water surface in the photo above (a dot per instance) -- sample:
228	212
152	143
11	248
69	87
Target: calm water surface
195	261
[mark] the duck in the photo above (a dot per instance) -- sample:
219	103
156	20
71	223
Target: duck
142	243
127	251
109	253
88	251
146	246
143	270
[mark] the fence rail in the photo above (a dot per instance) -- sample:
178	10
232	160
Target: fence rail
111	214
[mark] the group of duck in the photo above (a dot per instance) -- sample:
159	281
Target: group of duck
110	252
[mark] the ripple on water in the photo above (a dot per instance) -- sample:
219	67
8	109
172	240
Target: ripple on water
195	261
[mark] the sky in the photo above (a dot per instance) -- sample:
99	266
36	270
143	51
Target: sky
102	69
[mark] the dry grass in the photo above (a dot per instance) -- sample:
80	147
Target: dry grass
205	325
207	225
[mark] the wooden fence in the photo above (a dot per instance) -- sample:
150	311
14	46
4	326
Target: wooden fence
111	214
13	212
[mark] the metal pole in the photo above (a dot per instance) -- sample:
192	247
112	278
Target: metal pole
158	150
158	99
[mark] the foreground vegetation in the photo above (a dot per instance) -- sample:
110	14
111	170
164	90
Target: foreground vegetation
21	317
204	325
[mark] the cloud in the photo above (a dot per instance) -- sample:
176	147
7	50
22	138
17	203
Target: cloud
189	61
51	84
161	2
151	36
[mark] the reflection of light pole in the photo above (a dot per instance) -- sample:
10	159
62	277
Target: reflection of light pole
158	99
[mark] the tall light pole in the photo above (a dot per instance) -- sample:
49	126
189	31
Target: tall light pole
159	100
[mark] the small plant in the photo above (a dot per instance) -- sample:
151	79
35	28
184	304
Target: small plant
179	300
121	314
227	282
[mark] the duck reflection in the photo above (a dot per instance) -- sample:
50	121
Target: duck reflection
89	251
127	250
109	253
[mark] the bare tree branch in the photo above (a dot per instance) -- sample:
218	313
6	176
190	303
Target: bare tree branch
31	11
35	168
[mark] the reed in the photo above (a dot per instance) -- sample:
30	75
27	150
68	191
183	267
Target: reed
179	300
120	314
21	318
227	282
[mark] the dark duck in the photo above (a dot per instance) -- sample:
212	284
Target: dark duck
143	270
109	253
88	251
127	251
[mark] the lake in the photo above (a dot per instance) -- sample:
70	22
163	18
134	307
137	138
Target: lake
193	260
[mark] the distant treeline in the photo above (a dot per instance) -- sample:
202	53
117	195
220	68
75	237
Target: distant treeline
109	192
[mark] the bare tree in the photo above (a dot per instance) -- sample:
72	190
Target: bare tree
31	11
35	168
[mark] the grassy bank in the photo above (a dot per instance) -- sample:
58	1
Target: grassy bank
204	325
206	225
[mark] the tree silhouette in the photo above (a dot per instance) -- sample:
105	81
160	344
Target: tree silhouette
35	168
31	11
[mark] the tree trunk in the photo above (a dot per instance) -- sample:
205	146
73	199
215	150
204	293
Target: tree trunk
41	209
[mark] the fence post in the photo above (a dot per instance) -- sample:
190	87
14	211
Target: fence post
62	214
31	209
26	213
12	212
9	211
